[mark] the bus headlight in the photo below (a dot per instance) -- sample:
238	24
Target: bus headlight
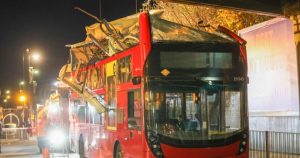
243	143
154	144
56	137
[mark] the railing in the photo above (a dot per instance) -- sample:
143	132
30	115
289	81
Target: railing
15	133
267	144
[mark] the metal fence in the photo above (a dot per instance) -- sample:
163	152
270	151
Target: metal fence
268	144
15	133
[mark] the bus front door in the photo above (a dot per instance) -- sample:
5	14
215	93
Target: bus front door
133	137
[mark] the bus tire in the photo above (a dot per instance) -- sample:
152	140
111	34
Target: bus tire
81	146
118	151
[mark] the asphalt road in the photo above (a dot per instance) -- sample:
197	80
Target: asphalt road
25	149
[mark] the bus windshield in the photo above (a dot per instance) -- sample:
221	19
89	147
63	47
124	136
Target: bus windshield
201	114
195	95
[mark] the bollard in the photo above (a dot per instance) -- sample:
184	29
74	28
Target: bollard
267	145
45	153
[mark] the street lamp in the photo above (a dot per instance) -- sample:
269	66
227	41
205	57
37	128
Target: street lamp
36	56
36	71
22	83
32	57
22	99
5	97
7	92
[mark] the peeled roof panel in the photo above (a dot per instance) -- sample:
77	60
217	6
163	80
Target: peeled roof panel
163	30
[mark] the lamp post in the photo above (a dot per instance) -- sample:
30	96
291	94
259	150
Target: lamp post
32	57
35	56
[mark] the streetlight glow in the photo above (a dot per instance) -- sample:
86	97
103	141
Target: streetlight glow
7	91
36	72
22	98
36	56
22	83
55	83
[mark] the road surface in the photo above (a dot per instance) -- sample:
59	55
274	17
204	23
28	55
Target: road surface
24	149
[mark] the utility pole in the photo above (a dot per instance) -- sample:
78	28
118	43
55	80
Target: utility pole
100	6
136	8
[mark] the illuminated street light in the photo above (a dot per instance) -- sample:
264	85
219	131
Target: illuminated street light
36	56
32	56
22	83
36	71
55	83
22	98
8	97
5	100
7	92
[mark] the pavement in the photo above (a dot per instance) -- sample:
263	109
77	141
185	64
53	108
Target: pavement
26	149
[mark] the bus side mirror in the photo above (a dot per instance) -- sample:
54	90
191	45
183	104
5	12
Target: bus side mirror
136	80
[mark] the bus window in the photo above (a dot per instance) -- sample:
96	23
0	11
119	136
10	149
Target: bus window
111	103
134	109
124	70
94	116
101	119
81	113
101	98
174	105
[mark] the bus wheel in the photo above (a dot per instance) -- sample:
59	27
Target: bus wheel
118	151
81	146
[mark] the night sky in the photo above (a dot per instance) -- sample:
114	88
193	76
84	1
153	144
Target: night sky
47	26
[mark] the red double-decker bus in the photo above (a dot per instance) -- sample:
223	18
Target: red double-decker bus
159	89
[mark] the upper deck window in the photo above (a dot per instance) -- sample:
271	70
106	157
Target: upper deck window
196	60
